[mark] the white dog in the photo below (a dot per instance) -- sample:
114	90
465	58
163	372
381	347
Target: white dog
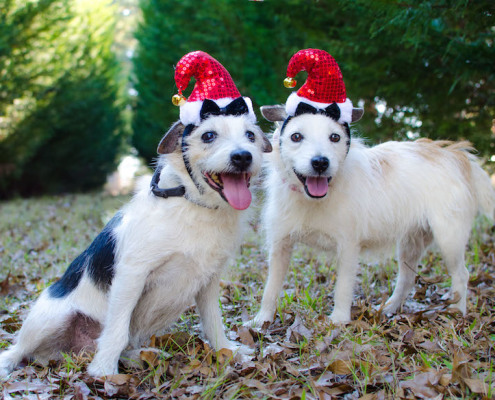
336	194
157	255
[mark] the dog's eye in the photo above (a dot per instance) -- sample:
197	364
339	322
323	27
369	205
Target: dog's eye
250	135
208	137
334	137
296	137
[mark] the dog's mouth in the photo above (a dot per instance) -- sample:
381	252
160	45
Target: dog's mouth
315	186
233	187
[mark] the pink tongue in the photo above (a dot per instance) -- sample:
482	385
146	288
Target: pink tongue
236	191
317	185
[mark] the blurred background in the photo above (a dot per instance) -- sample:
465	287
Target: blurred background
86	85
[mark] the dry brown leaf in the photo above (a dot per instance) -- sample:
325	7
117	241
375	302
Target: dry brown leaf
477	386
245	336
423	385
5	286
369	396
81	391
150	356
298	332
192	366
461	369
325	379
120	385
430	346
224	356
340	367
272	350
27	386
254	383
445	380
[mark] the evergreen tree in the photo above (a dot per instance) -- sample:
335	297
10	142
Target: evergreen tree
70	132
420	68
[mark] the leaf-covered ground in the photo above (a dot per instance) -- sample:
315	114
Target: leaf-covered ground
423	352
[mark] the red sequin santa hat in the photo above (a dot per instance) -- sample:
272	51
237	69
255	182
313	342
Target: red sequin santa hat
323	87
214	83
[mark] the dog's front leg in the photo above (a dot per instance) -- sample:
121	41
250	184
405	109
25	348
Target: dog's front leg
211	318
127	287
280	254
344	288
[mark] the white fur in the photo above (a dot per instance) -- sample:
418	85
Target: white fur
169	253
399	195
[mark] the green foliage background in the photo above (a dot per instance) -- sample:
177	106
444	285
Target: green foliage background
418	68
61	128
429	64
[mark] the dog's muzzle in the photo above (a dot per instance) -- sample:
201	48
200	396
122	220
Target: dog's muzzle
316	186
233	186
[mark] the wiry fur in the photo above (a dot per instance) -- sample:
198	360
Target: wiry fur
397	195
168	254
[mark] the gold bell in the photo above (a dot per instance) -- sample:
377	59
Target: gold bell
178	99
289	82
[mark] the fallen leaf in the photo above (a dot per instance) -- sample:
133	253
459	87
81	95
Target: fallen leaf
477	386
272	349
150	356
245	336
423	385
340	367
81	391
224	356
26	386
298	332
460	367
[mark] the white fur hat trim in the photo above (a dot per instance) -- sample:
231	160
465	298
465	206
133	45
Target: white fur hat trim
189	112
294	99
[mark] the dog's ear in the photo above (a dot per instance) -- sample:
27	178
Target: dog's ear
170	139
267	146
274	113
357	113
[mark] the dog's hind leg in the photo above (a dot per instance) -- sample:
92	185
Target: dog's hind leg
280	254
410	251
127	287
38	335
452	247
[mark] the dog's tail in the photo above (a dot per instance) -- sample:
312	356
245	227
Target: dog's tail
484	190
482	187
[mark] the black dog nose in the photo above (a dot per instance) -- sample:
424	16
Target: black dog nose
241	159
320	164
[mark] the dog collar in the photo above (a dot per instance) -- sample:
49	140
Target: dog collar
178	191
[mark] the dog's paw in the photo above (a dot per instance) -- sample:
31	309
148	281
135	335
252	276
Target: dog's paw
4	373
259	320
7	365
98	368
340	318
389	308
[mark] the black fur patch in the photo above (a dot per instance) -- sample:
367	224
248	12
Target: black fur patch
348	131
98	258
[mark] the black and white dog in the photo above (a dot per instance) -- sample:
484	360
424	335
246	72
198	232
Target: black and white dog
161	252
